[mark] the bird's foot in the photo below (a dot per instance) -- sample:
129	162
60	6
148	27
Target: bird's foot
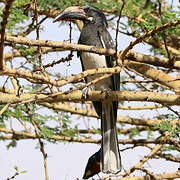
106	91
85	92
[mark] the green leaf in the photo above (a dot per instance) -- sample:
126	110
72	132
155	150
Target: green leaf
16	168
134	132
23	172
164	126
46	132
13	144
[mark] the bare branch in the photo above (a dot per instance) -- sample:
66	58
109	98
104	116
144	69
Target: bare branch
146	35
3	28
172	175
38	136
76	96
4	109
140	107
20	135
117	29
91	113
63	46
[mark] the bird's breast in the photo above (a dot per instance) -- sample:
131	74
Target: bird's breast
94	61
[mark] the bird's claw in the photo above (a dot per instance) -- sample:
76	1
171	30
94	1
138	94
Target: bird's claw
85	92
106	91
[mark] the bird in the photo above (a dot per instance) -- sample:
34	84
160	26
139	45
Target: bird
93	165
95	33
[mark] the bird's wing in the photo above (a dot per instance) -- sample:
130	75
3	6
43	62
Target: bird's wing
79	55
107	42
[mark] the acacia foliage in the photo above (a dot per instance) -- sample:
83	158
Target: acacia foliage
140	20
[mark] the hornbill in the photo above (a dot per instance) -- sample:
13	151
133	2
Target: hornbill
93	165
94	33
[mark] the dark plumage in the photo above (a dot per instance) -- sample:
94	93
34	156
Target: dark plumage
95	33
93	165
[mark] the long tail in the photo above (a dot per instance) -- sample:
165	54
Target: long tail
111	161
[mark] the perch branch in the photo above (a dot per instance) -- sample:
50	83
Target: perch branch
76	96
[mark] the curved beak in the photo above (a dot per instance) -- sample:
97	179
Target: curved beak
71	13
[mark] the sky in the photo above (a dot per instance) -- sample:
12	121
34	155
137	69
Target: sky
67	161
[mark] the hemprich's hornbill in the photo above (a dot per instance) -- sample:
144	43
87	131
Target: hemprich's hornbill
93	165
95	33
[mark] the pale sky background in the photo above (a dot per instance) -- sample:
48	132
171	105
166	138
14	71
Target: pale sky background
67	161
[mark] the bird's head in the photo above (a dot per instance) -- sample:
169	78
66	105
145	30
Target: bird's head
88	14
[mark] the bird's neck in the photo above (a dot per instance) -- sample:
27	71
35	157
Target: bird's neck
92	25
89	35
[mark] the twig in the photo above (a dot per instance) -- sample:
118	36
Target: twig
159	8
15	84
66	59
168	157
136	81
146	35
92	113
152	153
4	109
174	111
70	32
140	107
171	175
142	161
24	125
20	135
32	27
41	79
152	175
3	28
39	47
168	53
30	113
87	84
37	31
117	30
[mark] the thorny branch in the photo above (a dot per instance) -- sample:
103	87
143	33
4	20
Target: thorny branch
66	59
146	35
38	136
62	46
117	30
132	60
3	28
76	96
20	135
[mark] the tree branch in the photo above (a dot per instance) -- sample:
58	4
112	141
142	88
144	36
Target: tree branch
41	79
76	96
144	70
65	46
140	107
3	28
4	109
20	135
146	35
158	76
171	175
91	113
